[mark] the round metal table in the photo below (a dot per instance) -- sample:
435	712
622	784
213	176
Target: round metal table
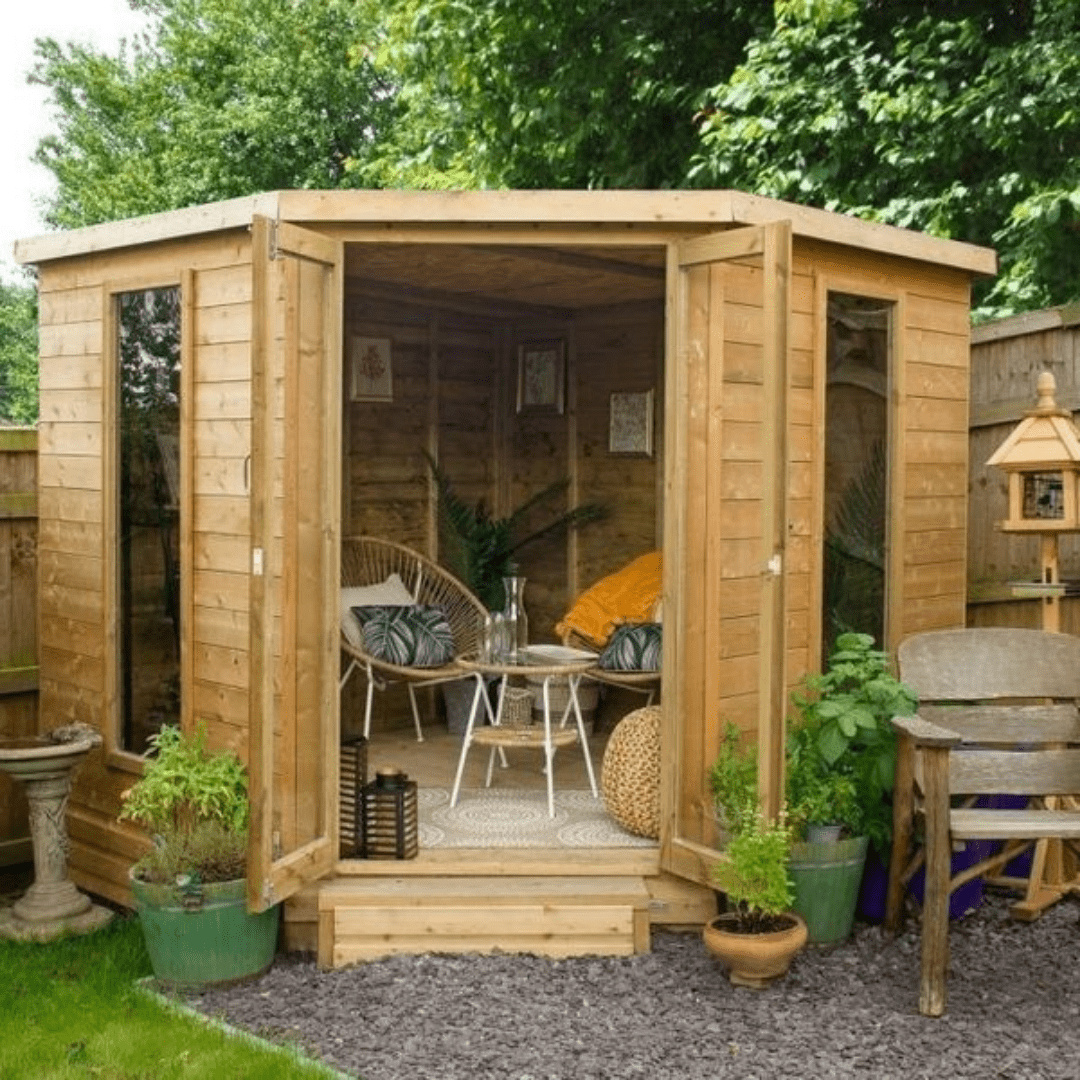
546	735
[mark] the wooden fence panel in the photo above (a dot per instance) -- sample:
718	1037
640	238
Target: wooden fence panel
18	621
1006	359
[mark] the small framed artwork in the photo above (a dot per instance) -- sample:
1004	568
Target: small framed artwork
541	376
371	376
631	426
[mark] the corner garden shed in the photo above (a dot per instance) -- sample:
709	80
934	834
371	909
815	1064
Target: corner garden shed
228	390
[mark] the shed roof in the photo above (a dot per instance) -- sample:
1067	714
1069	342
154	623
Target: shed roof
662	211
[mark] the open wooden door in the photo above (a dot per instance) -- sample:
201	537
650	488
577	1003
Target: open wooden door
725	523
295	538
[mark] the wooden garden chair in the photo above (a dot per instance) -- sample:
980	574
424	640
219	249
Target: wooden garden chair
368	561
998	715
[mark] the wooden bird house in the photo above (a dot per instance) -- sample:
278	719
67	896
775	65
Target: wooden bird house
1042	459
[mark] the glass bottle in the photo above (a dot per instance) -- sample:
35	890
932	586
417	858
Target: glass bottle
515	619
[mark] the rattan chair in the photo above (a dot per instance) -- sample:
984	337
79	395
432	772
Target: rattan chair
366	560
641	682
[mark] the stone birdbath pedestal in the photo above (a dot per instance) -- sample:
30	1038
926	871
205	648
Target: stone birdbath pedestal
52	905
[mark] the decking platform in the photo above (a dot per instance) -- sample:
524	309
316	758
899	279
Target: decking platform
546	902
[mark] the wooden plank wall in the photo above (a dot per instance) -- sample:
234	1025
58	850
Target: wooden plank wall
75	681
618	350
18	621
1006	359
455	393
928	501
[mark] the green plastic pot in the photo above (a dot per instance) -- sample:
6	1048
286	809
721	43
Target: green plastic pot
204	936
827	875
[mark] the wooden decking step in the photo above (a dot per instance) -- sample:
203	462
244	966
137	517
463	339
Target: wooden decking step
546	916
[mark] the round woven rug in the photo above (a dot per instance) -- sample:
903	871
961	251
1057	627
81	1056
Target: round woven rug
518	819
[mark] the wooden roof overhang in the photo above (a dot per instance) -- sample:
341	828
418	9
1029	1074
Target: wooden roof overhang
560	218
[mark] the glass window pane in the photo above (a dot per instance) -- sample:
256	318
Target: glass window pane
149	415
856	466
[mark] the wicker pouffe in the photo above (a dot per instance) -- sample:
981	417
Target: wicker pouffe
630	776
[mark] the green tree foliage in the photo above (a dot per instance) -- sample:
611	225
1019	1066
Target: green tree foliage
219	98
18	354
554	93
958	119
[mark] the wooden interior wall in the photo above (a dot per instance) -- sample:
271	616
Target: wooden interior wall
75	680
1006	359
618	350
18	622
455	371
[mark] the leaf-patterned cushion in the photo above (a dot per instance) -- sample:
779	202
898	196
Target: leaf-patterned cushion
415	636
633	647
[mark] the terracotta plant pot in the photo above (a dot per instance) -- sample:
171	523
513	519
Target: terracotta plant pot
754	960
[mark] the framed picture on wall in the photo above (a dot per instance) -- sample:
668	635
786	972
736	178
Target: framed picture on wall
371	376
630	429
541	375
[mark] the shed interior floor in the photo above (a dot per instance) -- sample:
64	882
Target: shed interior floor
433	762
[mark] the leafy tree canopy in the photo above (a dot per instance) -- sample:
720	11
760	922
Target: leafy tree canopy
961	120
219	98
554	93
18	354
957	117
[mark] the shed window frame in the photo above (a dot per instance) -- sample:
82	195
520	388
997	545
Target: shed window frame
826	283
117	756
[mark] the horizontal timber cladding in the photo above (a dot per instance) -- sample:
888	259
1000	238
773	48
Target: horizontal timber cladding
455	387
74	546
928	472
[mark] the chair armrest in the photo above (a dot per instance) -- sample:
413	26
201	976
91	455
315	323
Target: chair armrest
924	733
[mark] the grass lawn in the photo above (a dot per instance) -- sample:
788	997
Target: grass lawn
71	1009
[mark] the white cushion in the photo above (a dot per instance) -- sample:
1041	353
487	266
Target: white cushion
389	593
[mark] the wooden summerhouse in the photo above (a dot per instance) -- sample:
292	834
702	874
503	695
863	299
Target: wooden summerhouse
776	397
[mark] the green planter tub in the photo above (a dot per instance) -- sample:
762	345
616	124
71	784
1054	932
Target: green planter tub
204	936
827	876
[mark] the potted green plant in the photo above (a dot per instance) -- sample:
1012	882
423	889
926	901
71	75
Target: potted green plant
482	550
841	755
733	782
759	935
190	889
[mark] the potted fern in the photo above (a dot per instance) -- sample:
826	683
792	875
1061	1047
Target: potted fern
482	550
190	890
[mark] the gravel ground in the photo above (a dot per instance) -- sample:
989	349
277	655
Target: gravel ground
1013	1011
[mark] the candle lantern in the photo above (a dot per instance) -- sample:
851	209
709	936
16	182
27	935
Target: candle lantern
352	772
389	823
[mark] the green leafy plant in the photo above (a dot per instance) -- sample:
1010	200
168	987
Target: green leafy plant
195	804
733	782
481	549
844	739
754	875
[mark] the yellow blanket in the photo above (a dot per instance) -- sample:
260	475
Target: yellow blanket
630	595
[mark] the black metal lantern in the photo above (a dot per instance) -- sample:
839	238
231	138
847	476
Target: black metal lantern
389	822
352	776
